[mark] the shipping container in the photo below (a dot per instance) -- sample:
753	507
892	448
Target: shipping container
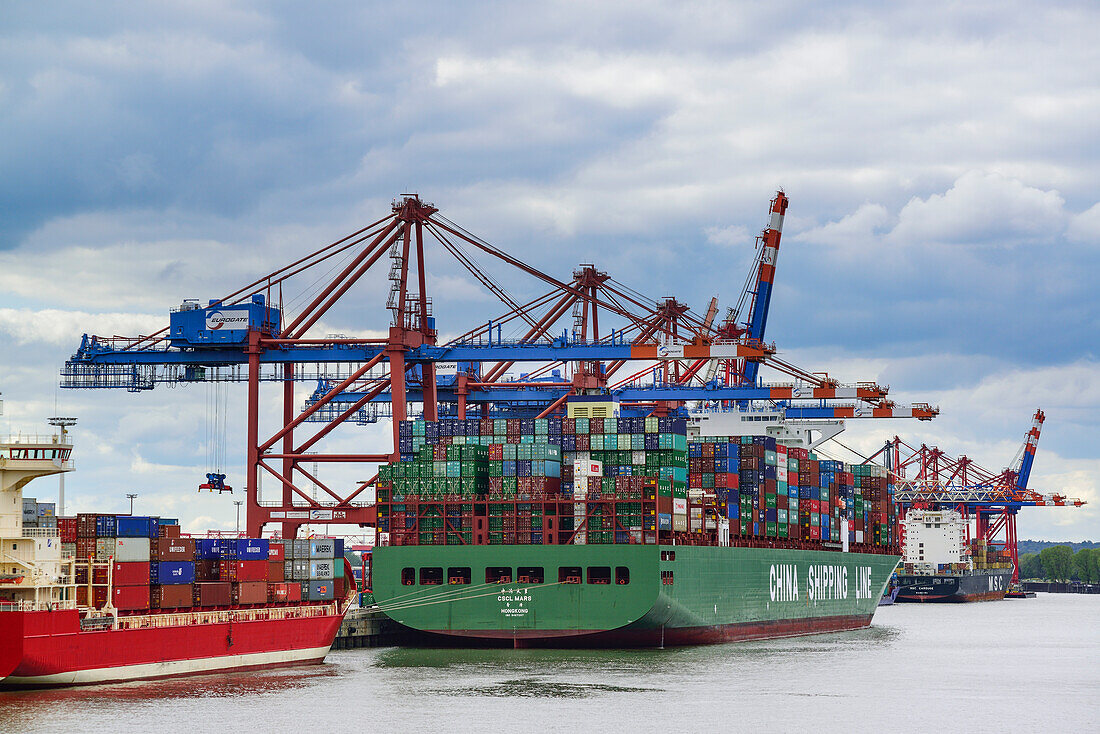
135	527
130	574
132	549
131	598
322	590
172	596
175	549
212	594
175	572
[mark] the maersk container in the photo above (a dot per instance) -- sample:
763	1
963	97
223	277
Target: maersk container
324	548
175	572
322	590
252	549
131	550
322	569
135	527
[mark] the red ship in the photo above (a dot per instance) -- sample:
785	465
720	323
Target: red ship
80	606
49	648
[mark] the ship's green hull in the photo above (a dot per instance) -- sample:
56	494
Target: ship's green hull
656	595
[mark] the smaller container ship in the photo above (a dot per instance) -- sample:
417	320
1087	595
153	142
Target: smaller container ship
941	567
104	598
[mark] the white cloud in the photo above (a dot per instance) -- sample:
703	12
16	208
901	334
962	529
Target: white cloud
733	235
1085	227
852	231
982	207
59	327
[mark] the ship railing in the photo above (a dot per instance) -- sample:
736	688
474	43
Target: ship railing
226	616
33	438
36	606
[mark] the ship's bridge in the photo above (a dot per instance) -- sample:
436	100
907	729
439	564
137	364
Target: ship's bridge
25	457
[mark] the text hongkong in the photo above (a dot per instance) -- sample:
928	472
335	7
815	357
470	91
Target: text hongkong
823	582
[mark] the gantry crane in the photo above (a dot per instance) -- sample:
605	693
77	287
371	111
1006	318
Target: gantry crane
992	499
246	337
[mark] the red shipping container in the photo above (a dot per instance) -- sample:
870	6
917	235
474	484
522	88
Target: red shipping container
85	548
250	571
276	571
168	531
174	596
250	592
207	570
277	592
128	598
99	596
339	587
212	594
175	549
276	552
130	574
293	592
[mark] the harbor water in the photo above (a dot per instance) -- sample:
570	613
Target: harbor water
1012	665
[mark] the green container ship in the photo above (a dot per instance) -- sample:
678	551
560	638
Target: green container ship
625	595
580	532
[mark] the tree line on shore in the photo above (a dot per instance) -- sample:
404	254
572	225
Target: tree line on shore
1060	563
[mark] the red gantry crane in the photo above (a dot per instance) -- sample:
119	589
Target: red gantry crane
992	499
245	337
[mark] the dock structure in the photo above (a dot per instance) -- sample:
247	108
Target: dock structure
367	627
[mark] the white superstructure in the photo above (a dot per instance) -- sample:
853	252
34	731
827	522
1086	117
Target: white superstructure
32	569
935	537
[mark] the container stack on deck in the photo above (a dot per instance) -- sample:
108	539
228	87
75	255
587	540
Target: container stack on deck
620	480
145	565
38	514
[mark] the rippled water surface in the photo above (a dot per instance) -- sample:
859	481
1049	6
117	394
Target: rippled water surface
1014	665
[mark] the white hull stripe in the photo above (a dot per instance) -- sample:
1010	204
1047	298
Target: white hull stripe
168	668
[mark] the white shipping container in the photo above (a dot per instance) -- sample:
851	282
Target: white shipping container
588	468
679	506
132	550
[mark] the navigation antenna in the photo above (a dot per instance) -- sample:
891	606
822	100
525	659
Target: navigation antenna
63	423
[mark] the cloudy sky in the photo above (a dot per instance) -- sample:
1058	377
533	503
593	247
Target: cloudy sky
941	160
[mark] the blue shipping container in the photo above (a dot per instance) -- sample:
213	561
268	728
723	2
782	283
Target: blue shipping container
105	526
174	572
664	521
135	527
252	549
207	549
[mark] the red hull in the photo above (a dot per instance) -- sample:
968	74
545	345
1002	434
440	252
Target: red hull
656	636
48	648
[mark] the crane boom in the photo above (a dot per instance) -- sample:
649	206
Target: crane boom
765	277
